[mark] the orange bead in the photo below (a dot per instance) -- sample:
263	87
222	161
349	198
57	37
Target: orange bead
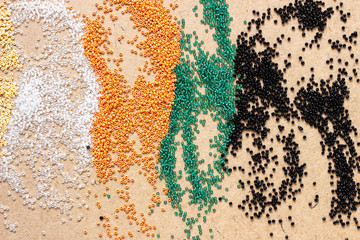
119	116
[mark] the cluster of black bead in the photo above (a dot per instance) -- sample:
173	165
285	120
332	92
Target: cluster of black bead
262	90
322	106
263	95
309	14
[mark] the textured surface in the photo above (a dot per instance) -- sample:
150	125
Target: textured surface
227	222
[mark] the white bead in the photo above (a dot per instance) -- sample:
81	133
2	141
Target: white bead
44	103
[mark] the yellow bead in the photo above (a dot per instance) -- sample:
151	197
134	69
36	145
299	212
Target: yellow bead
9	60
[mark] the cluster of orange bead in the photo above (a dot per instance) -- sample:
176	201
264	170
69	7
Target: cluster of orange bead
147	112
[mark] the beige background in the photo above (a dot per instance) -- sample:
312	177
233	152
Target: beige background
227	222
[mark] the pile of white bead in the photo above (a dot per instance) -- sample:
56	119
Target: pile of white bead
3	209
45	103
7	224
10	227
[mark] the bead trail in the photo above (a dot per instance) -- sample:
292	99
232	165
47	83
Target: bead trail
147	113
214	73
319	103
9	60
52	127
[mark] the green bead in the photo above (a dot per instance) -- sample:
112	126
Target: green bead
214	74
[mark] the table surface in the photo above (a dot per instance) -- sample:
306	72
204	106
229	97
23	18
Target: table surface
227	222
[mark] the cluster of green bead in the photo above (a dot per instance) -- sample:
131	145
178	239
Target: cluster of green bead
214	73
